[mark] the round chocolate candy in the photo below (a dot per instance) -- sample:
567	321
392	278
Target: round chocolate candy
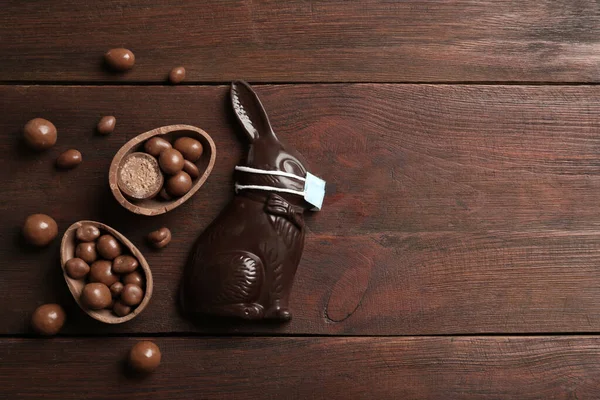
96	296
191	169
177	75
87	233
170	161
160	238
40	134
86	251
69	159
191	149
132	295
106	125
179	184
101	271
156	145
116	289
40	229
108	247
119	59
48	319
144	357
124	264
164	195
76	268
121	309
134	278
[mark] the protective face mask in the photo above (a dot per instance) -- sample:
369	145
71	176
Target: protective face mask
314	187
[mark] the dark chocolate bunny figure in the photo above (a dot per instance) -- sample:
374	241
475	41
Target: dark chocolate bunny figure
244	263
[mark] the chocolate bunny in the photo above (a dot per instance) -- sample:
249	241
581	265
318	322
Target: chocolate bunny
244	263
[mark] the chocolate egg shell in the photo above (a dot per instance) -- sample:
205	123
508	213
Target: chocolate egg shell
40	134
67	251
120	59
158	205
69	159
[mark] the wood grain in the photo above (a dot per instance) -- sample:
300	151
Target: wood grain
450	209
308	368
304	41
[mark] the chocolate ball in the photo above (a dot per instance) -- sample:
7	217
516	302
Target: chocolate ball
48	319
106	125
132	295
191	149
124	264
101	271
177	75
160	238
87	233
86	251
108	247
40	229
156	145
134	278
96	296
121	309
40	134
179	184
69	159
116	289
76	268
164	195
119	59
144	357
191	169
170	161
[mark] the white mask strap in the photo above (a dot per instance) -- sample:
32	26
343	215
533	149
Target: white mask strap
268	172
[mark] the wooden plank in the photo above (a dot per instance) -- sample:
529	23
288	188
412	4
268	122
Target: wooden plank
300	41
303	368
450	209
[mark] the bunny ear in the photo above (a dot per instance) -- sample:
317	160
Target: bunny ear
250	111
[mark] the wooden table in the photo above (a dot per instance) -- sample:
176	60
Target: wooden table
457	255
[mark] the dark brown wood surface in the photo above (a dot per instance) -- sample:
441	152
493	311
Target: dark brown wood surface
308	368
457	254
304	41
450	209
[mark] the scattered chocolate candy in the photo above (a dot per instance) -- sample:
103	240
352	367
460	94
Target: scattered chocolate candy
179	184
124	264
134	278
48	319
170	161
177	75
96	296
106	125
121	309
139	176
86	251
40	229
108	247
87	233
40	134
160	238
69	159
116	289
156	145
77	268
144	357
191	149
191	169
101	271
132	295
120	59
